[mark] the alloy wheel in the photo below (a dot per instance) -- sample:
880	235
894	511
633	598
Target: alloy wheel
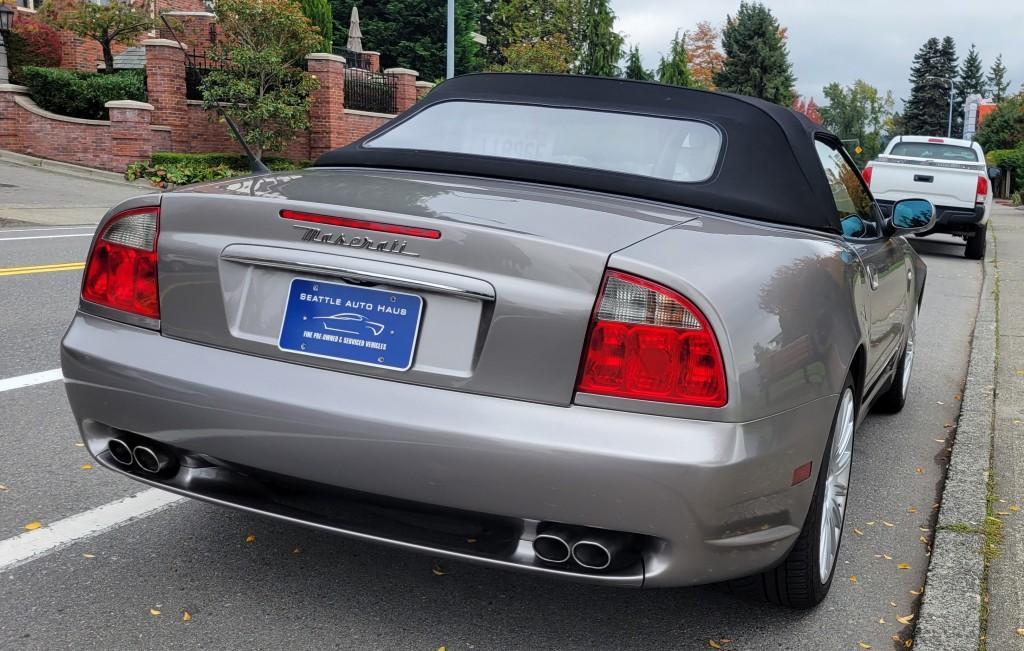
837	482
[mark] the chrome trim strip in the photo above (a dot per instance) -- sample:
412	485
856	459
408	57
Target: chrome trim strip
342	272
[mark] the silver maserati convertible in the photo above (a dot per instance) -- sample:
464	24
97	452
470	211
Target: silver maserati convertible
594	329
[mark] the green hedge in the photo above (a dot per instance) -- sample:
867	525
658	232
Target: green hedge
81	94
1010	159
165	169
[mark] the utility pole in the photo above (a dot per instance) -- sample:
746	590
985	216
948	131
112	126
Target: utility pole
451	40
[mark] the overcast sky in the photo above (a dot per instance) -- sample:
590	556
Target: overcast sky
842	40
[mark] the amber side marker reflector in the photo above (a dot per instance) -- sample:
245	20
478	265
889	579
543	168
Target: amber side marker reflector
802	473
347	222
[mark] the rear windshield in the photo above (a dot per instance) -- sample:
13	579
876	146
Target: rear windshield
934	150
661	148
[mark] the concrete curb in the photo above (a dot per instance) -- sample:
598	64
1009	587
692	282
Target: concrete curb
950	615
67	169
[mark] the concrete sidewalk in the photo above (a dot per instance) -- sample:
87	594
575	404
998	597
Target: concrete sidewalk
48	197
974	595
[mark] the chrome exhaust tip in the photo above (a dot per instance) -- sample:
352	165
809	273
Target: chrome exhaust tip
592	554
120	452
551	548
149	460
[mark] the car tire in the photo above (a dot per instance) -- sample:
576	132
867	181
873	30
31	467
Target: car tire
976	244
803	578
892	401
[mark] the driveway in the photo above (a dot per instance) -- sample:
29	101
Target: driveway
245	582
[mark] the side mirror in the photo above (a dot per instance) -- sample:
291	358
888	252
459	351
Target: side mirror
994	173
912	216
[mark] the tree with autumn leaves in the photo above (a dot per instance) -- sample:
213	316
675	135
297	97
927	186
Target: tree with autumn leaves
703	55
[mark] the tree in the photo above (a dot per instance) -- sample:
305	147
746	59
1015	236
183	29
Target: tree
412	33
635	66
512	22
602	45
997	81
260	84
970	81
756	59
552	55
319	13
703	55
673	69
926	112
859	112
107	24
1003	128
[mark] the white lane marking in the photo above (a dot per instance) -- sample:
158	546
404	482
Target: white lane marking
43	237
20	381
51	537
46	228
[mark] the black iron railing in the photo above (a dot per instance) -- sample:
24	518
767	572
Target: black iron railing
353	59
370	91
197	66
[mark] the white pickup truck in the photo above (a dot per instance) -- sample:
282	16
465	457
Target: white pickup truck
949	172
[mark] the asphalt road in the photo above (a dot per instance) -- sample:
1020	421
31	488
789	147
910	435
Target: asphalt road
294	588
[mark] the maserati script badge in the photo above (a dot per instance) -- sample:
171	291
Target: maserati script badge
312	234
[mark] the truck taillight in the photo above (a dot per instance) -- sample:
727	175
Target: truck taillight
649	343
866	173
121	270
982	190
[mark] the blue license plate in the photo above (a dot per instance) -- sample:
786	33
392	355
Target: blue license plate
374	327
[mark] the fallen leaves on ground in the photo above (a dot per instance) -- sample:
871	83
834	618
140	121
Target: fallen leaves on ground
888	524
437	570
88	555
881	620
905	619
186	616
903	566
86	466
864	645
858	531
1020	632
892	603
1014	508
154	612
251	538
887	557
853	579
297	550
79	444
939	440
714	645
870	524
911	509
3	487
917	592
32	526
919	470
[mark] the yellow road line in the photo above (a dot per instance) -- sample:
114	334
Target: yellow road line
43	268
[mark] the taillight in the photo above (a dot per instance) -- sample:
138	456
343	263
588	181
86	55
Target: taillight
866	173
982	190
121	271
648	342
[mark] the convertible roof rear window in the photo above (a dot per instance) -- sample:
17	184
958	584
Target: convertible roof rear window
662	148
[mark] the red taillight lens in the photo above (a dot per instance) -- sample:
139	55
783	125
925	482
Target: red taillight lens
866	173
649	343
121	271
982	190
348	222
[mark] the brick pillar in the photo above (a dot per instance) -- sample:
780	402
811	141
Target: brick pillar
12	134
372	60
327	110
131	139
165	86
422	88
405	87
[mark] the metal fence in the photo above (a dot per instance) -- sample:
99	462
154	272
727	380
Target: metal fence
353	59
370	91
197	66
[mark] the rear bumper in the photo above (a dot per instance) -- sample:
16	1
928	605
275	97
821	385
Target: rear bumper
714	499
949	219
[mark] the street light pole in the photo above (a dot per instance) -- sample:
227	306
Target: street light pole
949	123
450	72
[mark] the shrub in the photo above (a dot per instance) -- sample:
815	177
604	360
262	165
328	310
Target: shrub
1012	160
166	168
81	94
32	43
1003	128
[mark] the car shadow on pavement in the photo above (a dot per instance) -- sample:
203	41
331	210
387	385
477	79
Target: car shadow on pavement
943	245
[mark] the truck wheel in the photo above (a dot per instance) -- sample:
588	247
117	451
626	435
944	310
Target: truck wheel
976	244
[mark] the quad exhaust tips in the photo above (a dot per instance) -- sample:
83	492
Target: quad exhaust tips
147	458
598	552
590	549
553	545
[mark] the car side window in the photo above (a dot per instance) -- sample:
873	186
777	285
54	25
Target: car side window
854	206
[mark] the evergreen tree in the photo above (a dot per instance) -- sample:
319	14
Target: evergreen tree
998	84
756	59
673	69
319	13
602	45
635	66
412	33
970	81
508	23
926	112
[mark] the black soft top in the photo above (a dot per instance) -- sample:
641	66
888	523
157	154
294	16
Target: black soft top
768	169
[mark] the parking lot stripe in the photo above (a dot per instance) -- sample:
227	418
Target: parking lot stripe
51	537
43	237
19	381
42	268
